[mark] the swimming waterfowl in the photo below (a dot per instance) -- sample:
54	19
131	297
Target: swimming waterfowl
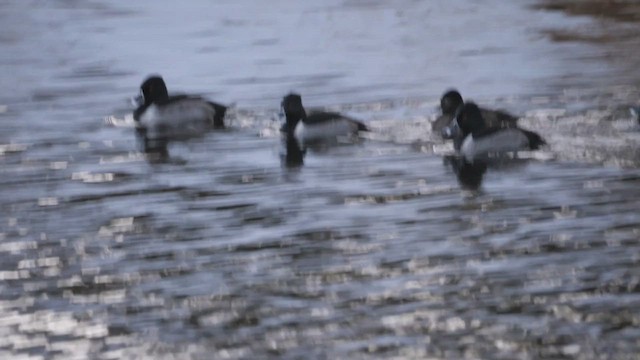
472	138
177	116
318	126
452	100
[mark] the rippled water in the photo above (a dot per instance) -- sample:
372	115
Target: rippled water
384	249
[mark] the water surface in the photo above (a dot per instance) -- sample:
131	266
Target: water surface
382	249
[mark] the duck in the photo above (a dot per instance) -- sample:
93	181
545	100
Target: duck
317	127
451	100
474	139
178	116
635	111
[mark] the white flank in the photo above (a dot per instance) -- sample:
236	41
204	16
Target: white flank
326	131
506	140
181	119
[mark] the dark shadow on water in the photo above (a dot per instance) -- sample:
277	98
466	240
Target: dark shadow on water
292	155
468	174
325	145
293	152
156	150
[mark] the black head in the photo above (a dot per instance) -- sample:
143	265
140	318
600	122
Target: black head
153	89
293	110
450	102
469	119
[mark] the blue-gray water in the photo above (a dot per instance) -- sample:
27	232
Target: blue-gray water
374	250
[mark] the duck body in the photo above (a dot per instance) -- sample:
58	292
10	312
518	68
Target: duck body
473	139
176	117
452	100
317	127
499	141
325	126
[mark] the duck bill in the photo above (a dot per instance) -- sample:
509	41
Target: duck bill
137	100
452	131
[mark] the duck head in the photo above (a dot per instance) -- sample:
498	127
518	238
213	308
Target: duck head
153	89
450	102
293	111
467	120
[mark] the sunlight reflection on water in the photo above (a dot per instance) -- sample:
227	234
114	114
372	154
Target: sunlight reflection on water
386	248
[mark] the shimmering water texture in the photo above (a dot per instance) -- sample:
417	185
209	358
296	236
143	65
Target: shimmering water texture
232	246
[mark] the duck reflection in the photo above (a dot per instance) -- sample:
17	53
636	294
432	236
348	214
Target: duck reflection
156	150
292	155
469	174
